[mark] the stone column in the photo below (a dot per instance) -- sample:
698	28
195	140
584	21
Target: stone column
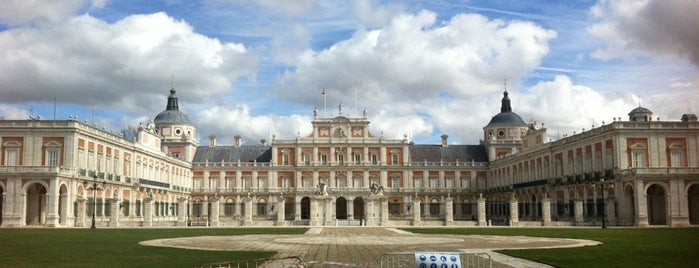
52	217
114	219
281	211
481	211
578	211
384	211
449	213
248	211
546	211
514	211
214	201
416	212
182	211
314	212
148	211
297	211
81	217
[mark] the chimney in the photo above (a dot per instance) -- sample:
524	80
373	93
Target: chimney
237	141
444	140
212	141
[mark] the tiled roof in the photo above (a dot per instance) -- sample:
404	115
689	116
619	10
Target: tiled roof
451	153
258	153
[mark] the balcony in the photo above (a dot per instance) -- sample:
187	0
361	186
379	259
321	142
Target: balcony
44	170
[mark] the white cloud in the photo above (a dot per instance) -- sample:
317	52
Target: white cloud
123	65
407	67
647	27
567	107
371	13
286	7
225	122
17	12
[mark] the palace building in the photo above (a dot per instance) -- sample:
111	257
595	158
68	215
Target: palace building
65	173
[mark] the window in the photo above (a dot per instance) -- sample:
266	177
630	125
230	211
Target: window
394	159
262	182
246	183
433	183
229	208
306	182
307	159
341	181
357	182
197	185
213	184
285	159
464	183
52	157
374	159
676	159
341	158
395	183
11	156
230	184
324	159
450	183
357	159
286	182
262	208
417	183
637	158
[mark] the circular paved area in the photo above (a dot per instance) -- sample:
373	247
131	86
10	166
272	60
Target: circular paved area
363	246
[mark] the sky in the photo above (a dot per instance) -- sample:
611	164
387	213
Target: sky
420	68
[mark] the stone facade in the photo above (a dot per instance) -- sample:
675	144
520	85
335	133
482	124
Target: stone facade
638	172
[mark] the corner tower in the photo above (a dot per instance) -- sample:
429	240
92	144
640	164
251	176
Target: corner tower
177	131
503	134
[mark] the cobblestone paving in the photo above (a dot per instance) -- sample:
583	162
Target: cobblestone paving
363	246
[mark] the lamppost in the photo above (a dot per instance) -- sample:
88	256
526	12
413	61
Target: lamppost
604	204
94	189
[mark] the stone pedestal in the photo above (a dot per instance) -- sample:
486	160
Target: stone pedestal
281	210
182	211
81	217
416	212
148	211
328	209
481	212
248	211
546	211
215	202
610	211
384	211
449	211
315	214
514	211
578	211
116	212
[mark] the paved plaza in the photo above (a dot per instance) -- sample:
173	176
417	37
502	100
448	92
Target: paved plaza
363	246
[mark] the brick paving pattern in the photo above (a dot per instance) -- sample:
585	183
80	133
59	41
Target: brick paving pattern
363	246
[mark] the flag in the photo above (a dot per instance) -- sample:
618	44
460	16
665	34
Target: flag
322	91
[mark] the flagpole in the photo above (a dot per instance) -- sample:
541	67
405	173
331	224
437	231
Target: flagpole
325	103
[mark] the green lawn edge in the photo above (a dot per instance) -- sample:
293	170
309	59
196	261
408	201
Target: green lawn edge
621	247
34	247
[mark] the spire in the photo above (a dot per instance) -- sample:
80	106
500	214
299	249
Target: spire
172	99
506	107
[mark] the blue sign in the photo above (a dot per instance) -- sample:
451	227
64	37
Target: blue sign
437	260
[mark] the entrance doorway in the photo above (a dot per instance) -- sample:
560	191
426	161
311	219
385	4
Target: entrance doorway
358	212
693	202
656	205
305	208
36	204
341	208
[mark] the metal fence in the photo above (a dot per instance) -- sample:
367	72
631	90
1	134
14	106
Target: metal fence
407	260
258	263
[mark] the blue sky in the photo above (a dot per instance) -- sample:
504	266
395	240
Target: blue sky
420	68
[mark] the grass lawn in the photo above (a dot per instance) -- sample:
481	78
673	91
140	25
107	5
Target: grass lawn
28	247
622	247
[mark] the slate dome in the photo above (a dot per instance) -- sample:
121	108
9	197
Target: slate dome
172	114
506	117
